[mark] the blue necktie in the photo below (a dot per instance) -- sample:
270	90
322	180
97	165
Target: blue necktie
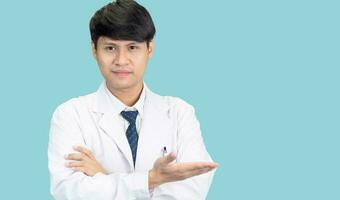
131	132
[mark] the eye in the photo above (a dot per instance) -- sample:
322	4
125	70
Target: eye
133	47
110	48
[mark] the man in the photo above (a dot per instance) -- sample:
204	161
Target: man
124	141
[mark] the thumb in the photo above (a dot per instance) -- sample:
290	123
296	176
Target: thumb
168	159
165	160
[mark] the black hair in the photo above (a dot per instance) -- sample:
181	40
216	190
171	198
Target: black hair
122	20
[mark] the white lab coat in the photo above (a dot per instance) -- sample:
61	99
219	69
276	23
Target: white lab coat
86	120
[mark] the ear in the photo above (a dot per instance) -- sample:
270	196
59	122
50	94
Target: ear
94	50
151	48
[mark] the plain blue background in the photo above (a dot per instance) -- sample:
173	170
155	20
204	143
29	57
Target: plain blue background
262	75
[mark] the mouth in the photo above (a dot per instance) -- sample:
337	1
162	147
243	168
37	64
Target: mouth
122	73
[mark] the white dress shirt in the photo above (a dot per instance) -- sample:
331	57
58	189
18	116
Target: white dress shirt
120	106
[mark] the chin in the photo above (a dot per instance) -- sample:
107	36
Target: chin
120	85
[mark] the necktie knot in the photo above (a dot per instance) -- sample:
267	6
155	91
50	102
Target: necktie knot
130	116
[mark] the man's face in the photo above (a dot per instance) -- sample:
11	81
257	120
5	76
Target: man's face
121	62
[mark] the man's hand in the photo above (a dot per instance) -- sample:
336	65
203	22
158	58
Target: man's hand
165	171
84	161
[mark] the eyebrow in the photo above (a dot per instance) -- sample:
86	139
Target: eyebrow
112	43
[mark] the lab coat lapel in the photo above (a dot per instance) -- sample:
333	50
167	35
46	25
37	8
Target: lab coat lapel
110	124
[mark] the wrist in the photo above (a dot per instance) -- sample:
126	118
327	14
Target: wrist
153	179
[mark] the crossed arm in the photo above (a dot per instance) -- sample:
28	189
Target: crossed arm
85	178
164	169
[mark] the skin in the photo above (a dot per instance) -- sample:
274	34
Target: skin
128	57
84	161
123	64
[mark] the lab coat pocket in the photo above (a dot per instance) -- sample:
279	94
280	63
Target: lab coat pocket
154	143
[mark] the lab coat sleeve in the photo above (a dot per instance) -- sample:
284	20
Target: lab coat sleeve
190	148
66	184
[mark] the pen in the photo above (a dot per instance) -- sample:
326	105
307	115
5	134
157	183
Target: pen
164	151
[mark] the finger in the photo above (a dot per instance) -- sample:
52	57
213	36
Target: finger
84	150
163	161
197	165
74	156
214	164
80	169
199	171
180	175
184	168
168	158
74	164
190	174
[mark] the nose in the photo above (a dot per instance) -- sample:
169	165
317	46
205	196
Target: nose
121	58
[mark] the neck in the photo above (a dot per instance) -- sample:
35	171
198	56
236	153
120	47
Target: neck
128	96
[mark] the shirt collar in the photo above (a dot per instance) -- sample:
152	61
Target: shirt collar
120	106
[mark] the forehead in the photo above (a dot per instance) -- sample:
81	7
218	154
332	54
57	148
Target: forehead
106	40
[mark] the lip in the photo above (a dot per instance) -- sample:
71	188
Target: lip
121	73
